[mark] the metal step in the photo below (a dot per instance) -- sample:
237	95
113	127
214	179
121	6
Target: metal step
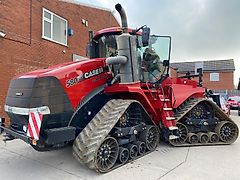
171	137
171	128
167	109
170	118
165	100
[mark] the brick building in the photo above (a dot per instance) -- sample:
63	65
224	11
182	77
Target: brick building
37	33
217	74
173	72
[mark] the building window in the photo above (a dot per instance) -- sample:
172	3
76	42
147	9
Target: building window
54	27
214	76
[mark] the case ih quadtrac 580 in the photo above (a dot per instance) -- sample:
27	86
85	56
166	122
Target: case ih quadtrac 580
116	105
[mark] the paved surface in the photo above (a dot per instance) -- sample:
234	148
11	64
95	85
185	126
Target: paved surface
19	161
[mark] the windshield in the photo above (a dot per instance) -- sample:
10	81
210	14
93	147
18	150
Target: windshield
150	58
159	44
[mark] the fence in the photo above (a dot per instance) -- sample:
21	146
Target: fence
228	92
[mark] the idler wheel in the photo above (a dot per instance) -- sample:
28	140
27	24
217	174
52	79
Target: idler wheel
150	136
213	137
193	138
123	155
227	131
183	134
107	154
203	137
141	147
130	117
133	151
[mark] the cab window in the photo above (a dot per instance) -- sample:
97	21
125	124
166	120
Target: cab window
107	46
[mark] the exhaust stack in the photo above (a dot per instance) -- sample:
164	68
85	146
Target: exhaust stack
123	15
127	53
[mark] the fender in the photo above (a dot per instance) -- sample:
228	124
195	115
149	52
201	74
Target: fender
88	108
181	92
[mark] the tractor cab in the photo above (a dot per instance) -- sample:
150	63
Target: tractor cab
152	56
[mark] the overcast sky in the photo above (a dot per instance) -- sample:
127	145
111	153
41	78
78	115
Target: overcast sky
201	29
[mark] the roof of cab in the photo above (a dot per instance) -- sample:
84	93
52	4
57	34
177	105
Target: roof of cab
112	30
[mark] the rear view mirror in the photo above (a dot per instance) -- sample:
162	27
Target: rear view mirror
92	46
145	36
165	63
92	49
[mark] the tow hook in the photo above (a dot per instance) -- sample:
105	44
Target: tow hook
8	137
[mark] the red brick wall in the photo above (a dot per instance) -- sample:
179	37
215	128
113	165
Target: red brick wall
225	81
23	49
173	72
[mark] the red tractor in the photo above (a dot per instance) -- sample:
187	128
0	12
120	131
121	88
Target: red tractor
115	106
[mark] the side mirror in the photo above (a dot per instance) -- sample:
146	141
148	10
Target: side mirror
145	36
92	49
165	63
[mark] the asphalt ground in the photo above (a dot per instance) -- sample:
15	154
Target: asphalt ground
19	161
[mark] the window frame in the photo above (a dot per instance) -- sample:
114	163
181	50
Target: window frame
51	22
213	75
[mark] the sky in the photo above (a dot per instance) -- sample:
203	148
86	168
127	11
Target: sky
200	29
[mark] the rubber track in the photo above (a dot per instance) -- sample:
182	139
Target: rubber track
188	106
88	141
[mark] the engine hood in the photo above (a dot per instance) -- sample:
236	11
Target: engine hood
63	69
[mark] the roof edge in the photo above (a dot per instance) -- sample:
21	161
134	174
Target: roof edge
92	6
86	4
204	60
213	71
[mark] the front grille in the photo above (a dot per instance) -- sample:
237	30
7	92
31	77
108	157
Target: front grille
38	92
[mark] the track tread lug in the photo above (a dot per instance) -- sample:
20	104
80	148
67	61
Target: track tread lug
220	115
88	141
